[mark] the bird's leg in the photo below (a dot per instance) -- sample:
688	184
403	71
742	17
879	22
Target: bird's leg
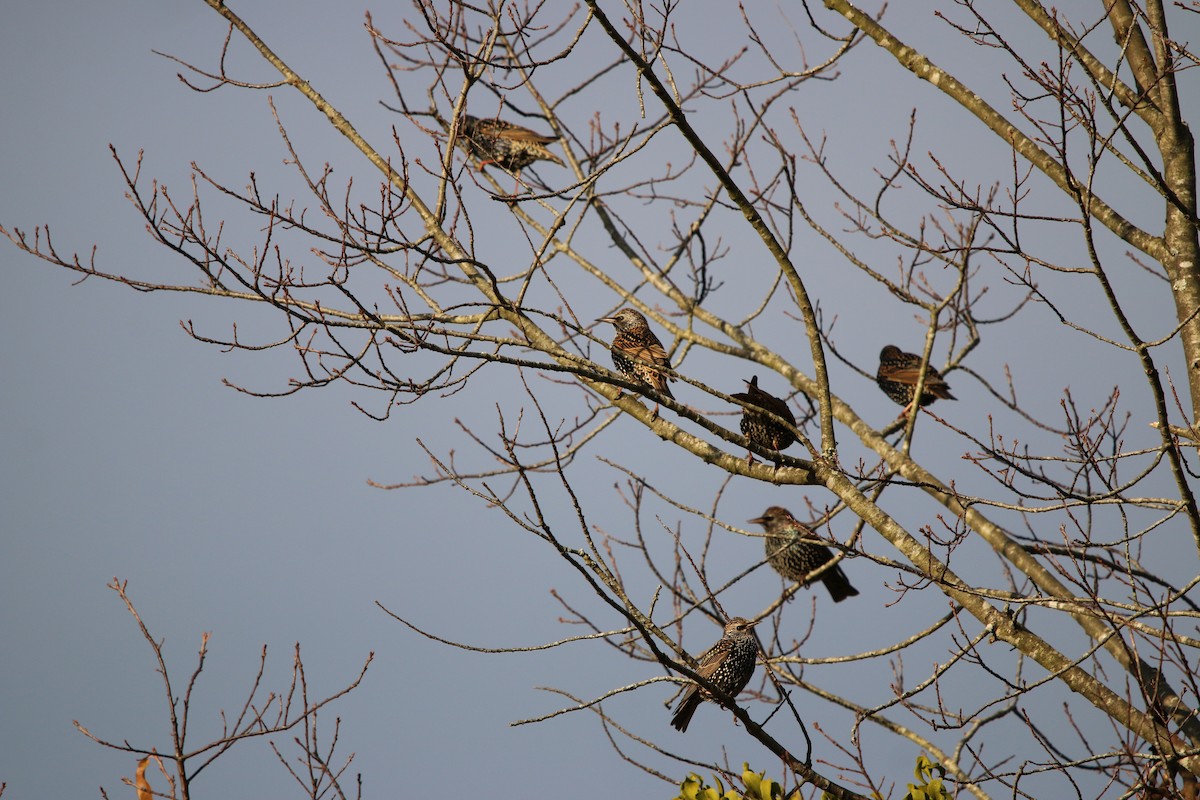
908	409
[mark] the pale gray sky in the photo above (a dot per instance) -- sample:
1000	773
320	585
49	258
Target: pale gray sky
252	519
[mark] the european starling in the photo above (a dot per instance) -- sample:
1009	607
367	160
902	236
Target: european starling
728	665
794	559
897	377
637	353
763	429
509	146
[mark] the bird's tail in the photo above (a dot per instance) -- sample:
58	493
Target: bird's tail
838	584
687	706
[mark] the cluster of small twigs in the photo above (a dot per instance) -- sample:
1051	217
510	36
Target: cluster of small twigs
409	291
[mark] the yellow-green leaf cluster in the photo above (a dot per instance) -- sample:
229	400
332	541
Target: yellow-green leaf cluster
694	788
927	786
758	787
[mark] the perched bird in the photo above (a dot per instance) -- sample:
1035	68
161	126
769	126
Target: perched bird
763	429
509	146
794	559
637	353
728	665
897	377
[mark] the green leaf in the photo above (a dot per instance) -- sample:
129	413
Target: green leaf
689	787
752	780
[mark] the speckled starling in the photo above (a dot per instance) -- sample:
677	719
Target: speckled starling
897	377
728	665
794	559
509	146
637	353
763	429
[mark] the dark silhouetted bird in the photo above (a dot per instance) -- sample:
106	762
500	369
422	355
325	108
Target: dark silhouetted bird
794	559
762	429
728	665
509	146
637	353
897	377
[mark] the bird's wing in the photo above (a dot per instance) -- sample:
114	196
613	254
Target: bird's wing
767	402
489	127
908	373
650	353
712	659
778	407
518	134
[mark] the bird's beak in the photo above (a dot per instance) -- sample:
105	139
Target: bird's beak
758	521
613	320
